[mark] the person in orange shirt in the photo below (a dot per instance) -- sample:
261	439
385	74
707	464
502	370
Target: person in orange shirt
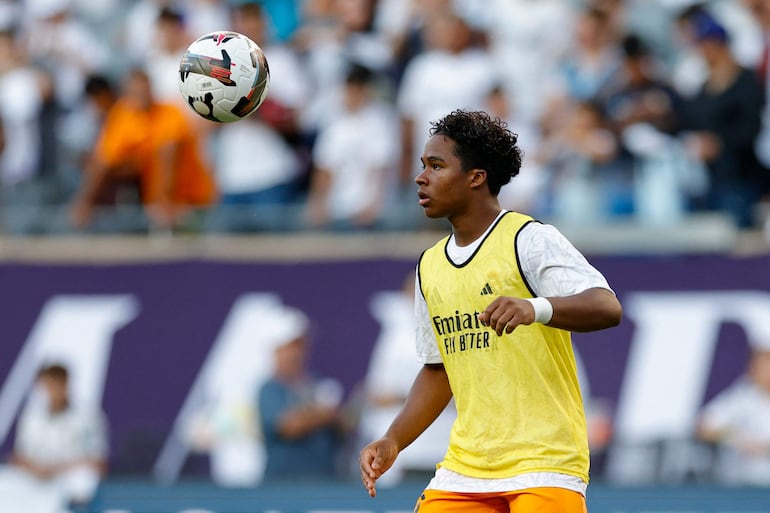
155	144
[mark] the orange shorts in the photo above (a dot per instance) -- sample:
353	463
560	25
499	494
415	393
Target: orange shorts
540	500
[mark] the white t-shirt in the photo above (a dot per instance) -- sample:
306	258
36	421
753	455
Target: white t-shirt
359	149
252	157
553	267
742	411
61	438
20	105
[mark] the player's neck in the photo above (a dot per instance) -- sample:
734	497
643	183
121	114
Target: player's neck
469	227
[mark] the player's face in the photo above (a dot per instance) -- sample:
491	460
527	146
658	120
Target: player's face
442	183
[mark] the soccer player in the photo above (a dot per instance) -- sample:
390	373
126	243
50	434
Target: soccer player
495	303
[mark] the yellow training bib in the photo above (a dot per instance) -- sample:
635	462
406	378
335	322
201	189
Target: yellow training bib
519	407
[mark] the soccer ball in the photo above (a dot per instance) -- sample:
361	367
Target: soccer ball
224	76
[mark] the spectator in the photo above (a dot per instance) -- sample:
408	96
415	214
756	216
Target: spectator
139	28
59	443
402	22
737	420
354	175
58	40
760	9
299	414
643	111
587	181
451	52
689	70
585	70
153	143
22	95
162	60
80	129
638	93
341	33
722	122
256	192
594	59
290	90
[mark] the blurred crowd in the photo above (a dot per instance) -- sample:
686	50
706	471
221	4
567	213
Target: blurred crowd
640	110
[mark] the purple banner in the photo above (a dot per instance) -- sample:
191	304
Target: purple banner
177	311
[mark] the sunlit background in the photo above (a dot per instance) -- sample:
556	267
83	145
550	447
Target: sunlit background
647	143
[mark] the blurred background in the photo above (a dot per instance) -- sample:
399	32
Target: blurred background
287	245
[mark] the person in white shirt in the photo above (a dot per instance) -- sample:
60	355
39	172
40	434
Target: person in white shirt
355	159
737	420
257	191
61	445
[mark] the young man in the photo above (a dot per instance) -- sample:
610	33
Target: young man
61	446
496	300
300	413
154	143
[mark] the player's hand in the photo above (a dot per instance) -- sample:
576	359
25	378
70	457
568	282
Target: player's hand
375	459
505	313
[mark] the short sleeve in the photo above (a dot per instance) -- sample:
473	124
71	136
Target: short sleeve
552	266
427	348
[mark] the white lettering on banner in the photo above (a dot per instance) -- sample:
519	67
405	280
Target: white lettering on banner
666	376
76	330
671	355
222	395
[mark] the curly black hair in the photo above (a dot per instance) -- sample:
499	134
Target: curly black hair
482	142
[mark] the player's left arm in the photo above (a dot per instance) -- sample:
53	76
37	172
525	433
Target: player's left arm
570	293
591	310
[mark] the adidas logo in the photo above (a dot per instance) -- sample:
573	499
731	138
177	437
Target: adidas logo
486	290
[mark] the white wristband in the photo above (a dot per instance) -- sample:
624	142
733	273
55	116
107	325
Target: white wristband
543	309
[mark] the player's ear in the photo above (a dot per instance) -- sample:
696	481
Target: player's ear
477	177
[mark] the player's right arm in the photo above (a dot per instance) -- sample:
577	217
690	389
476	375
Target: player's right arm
429	395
